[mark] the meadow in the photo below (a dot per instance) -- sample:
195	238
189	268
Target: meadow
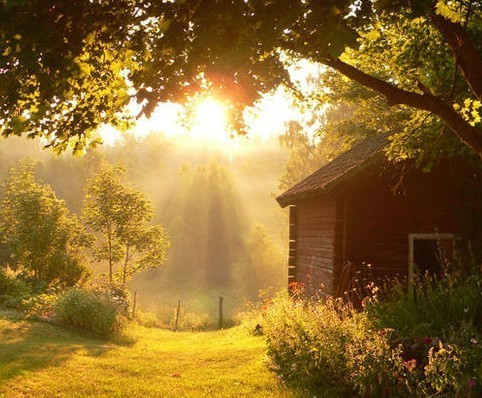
39	359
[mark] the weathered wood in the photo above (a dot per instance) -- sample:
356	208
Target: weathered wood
291	272
221	312
367	221
178	310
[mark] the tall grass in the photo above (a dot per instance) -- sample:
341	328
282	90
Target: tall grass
432	307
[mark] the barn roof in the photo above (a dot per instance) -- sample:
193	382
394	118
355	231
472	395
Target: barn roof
330	175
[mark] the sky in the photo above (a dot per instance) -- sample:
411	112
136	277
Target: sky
208	124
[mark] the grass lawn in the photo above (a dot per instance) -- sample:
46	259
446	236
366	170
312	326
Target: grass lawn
42	360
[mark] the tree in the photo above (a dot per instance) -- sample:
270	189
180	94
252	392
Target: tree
121	214
43	238
61	69
232	48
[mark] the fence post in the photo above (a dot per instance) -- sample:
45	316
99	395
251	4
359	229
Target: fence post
177	314
220	312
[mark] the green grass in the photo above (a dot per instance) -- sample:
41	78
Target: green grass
43	360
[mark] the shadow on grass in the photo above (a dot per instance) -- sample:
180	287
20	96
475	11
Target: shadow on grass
27	346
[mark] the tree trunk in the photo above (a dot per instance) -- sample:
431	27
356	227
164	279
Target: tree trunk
124	271
463	50
109	234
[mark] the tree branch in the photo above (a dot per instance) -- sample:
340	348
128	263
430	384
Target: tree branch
468	59
469	135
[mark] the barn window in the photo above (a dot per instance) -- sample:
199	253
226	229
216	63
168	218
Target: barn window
429	253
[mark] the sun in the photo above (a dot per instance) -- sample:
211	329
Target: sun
210	121
205	119
204	122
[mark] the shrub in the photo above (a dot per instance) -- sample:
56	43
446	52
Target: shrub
447	314
40	304
94	311
324	346
13	289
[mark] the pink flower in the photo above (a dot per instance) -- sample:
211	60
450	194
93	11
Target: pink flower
410	364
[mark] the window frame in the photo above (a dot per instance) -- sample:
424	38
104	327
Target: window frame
426	236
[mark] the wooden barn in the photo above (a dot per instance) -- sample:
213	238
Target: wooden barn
360	209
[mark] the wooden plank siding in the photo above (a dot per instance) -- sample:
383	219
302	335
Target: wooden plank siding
381	220
360	208
315	243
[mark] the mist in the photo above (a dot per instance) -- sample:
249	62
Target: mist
227	231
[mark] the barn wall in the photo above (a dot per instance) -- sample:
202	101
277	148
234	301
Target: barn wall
315	242
380	219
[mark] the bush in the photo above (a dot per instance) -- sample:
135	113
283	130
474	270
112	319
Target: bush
13	290
447	313
324	346
40	304
94	311
420	344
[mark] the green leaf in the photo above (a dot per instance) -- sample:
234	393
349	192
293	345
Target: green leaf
342	37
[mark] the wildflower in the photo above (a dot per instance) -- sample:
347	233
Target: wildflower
410	364
385	331
471	382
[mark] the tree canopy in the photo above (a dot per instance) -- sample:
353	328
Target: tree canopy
67	66
43	238
121	214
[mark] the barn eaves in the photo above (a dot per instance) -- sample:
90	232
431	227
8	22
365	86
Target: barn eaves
338	170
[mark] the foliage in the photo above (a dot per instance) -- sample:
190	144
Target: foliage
168	51
61	69
430	308
206	222
446	313
43	237
20	294
42	304
390	348
264	263
12	288
121	214
94	311
307	154
323	346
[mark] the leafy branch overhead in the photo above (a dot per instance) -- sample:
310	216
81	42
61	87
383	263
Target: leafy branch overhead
66	67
